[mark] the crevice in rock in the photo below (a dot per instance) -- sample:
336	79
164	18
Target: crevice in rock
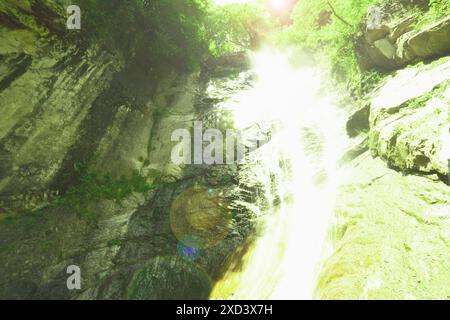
20	65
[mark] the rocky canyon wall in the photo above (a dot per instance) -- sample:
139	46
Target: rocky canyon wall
391	232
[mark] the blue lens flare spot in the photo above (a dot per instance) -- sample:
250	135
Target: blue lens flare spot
188	252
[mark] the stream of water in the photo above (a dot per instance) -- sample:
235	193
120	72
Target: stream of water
298	169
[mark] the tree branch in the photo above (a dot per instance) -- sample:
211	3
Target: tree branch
337	16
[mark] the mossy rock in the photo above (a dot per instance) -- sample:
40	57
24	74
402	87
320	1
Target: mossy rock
169	278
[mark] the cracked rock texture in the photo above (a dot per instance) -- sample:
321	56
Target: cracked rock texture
391	236
67	100
392	221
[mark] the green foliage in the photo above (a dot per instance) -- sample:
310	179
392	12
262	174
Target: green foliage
169	31
114	242
330	27
110	21
94	185
437	10
236	27
176	29
330	35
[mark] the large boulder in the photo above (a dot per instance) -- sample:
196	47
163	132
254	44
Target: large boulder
377	33
403	26
359	121
408	119
433	40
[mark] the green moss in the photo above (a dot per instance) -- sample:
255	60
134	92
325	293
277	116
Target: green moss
438	9
437	92
94	185
114	242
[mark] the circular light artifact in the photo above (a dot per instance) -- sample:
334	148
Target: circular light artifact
199	219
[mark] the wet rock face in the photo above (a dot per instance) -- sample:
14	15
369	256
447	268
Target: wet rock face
169	278
199	217
159	258
47	88
67	103
409	121
406	119
391	236
66	100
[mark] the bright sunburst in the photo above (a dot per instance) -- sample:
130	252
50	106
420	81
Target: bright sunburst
278	5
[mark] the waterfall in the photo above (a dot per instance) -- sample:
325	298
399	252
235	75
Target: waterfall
298	171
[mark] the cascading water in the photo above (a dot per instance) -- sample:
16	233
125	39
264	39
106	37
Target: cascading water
298	171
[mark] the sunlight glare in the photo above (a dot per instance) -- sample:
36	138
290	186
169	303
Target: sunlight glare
283	262
278	5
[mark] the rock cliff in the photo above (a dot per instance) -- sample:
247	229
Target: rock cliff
391	232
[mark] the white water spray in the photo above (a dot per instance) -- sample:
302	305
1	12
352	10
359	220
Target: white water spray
299	169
